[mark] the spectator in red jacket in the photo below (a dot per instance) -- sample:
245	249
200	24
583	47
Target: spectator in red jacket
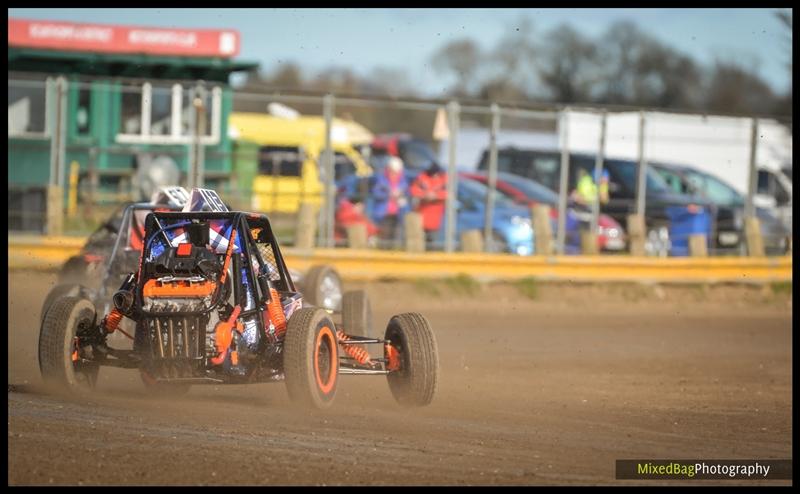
351	212
429	192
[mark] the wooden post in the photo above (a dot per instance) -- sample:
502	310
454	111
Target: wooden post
472	241
414	233
357	236
55	210
755	244
636	234
698	247
72	206
589	243
306	226
542	229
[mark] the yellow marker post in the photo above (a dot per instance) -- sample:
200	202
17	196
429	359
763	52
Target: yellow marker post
72	204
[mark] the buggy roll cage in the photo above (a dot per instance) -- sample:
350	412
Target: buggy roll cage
123	235
241	221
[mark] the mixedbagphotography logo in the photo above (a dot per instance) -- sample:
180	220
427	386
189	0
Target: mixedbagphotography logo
704	469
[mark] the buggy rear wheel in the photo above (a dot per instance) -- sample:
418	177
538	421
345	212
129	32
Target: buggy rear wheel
357	313
322	287
415	382
62	360
311	358
59	291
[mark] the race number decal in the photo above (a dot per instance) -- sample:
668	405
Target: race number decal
205	200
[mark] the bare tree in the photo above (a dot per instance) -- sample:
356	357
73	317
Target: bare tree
734	88
567	68
461	59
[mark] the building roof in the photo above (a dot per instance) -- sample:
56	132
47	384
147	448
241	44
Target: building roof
124	65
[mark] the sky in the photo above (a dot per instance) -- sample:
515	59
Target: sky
405	39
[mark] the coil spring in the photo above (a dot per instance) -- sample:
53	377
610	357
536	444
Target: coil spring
276	314
112	320
358	352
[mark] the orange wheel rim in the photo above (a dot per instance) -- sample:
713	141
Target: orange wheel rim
325	334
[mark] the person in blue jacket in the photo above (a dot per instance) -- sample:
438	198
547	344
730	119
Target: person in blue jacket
390	201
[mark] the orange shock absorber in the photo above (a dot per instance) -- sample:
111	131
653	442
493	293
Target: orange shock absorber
112	320
276	315
358	352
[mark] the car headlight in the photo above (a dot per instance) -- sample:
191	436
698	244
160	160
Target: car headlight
612	232
521	221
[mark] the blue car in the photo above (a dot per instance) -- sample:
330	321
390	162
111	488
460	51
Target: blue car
511	223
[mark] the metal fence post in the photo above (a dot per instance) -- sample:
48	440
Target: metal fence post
200	155
58	147
563	133
330	186
750	209
598	173
191	172
641	187
492	179
452	178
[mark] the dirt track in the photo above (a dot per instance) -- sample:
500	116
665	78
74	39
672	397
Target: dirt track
542	391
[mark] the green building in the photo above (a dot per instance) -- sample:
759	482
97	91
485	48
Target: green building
111	107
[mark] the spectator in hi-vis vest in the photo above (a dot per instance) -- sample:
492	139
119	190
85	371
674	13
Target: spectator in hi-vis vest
586	190
429	192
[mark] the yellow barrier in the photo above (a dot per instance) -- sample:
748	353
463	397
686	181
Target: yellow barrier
49	253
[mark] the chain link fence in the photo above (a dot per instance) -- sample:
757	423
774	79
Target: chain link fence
513	180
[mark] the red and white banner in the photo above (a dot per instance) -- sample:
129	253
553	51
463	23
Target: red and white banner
104	38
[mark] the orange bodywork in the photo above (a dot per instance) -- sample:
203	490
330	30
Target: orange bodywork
154	288
392	357
223	335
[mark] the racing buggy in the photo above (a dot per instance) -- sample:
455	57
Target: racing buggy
212	302
113	250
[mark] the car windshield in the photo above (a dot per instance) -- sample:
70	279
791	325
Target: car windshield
626	171
532	190
717	191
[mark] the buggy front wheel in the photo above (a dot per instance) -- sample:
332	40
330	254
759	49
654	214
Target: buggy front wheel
311	358
414	383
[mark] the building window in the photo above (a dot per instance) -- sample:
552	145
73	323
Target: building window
131	110
84	111
27	107
204	113
161	111
165	115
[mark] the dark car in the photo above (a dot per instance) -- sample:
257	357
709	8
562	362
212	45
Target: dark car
729	234
661	201
416	153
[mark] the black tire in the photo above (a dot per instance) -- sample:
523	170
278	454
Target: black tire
357	313
311	358
162	389
57	342
59	291
322	287
415	383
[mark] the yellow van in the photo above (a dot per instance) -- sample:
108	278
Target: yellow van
288	156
